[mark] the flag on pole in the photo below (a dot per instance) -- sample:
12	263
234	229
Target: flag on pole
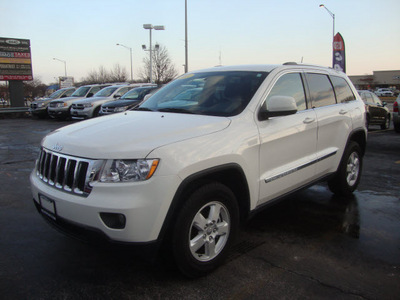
339	57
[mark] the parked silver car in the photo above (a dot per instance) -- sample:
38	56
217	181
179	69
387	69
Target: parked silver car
384	92
89	108
60	108
39	107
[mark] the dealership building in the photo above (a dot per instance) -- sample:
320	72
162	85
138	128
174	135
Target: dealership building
379	79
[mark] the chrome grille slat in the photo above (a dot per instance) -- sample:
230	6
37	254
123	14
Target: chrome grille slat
67	173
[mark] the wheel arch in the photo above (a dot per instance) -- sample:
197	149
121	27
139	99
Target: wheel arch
231	175
360	137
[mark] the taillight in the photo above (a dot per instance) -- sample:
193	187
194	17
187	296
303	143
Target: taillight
396	107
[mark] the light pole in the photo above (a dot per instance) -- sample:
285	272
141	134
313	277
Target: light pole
333	17
150	27
130	49
65	64
186	39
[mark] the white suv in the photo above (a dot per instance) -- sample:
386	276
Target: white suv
185	168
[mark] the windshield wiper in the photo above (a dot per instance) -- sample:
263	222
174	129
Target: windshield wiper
142	109
176	110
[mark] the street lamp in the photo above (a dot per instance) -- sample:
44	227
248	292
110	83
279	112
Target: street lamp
186	39
130	49
65	64
150	27
333	17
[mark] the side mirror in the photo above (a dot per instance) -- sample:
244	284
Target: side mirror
278	106
384	103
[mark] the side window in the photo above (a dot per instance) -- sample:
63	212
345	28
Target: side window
95	90
321	90
363	97
68	93
342	90
290	85
368	98
377	101
123	91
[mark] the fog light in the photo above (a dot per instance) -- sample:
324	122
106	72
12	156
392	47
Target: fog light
114	221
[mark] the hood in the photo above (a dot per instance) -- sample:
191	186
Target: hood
130	135
118	103
44	100
93	99
67	99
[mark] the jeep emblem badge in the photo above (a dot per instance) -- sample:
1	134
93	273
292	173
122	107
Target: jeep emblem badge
57	147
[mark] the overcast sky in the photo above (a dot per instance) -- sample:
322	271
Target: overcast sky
84	33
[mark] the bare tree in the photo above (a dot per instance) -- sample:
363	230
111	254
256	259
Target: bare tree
34	88
117	74
163	69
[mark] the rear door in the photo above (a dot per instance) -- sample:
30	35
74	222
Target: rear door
334	121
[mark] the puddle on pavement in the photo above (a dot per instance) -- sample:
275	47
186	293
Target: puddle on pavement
368	223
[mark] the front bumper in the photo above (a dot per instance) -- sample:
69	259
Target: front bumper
38	111
82	113
58	112
143	206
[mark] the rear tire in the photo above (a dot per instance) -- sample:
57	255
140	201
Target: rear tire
348	175
205	229
96	112
397	127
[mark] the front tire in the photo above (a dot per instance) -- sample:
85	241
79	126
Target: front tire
348	175
386	125
205	229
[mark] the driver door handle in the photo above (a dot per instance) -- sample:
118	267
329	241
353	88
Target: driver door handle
308	120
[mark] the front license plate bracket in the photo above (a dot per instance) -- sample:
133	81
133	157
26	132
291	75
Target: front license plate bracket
48	206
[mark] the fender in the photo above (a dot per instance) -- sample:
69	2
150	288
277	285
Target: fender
227	174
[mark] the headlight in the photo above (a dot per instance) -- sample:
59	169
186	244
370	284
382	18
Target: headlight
119	109
87	104
61	104
40	105
125	170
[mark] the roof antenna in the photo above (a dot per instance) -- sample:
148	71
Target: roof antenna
302	59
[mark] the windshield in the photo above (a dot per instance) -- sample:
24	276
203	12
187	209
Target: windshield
81	92
213	93
107	92
132	95
56	94
135	94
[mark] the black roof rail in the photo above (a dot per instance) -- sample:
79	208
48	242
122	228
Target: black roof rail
290	63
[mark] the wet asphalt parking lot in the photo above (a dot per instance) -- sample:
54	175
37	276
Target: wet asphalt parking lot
310	246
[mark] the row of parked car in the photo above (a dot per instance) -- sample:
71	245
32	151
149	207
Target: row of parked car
103	99
90	101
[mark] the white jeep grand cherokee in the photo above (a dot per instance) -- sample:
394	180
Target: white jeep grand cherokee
203	153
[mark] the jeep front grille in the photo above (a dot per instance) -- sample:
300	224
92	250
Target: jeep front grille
67	173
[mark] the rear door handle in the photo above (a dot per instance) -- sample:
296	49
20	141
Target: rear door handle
308	120
343	112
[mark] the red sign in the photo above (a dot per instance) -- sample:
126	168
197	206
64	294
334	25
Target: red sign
339	56
16	77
